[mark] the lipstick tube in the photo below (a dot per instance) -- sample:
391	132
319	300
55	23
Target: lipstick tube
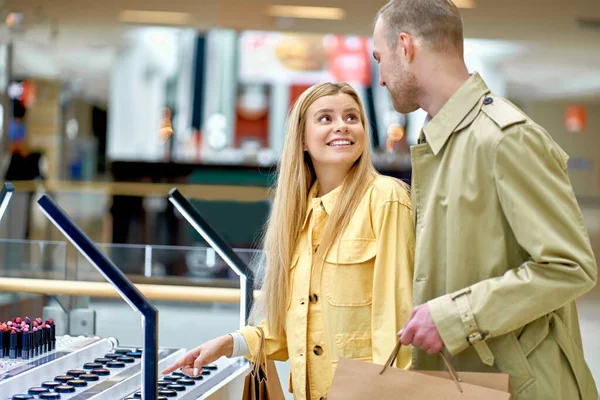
25	346
1	344
12	353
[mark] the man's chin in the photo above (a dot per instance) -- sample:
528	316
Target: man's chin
405	108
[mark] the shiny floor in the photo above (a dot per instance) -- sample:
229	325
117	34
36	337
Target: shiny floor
589	305
589	318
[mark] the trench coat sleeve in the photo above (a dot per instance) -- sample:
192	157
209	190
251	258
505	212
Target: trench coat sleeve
538	203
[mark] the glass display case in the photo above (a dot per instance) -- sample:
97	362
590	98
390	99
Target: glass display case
104	337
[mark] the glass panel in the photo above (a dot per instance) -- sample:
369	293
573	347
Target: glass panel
33	259
129	258
175	265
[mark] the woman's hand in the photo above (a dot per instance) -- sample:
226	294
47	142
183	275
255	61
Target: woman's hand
192	362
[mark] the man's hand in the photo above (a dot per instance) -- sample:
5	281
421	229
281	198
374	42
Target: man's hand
421	332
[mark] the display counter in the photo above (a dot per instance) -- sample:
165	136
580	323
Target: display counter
38	362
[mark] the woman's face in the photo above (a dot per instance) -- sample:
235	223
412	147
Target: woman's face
334	133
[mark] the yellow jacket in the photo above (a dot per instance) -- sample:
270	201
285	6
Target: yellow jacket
353	304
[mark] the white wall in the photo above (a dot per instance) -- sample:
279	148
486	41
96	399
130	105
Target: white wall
137	94
583	148
481	57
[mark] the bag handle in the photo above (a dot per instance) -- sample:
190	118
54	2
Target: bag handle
451	369
261	357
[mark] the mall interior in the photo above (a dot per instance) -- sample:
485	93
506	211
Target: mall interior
139	142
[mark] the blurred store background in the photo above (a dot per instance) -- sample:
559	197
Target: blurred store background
90	91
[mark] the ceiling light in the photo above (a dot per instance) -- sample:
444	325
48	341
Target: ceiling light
464	3
306	12
154	17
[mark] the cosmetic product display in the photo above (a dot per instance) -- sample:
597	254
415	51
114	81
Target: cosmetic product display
24	338
36	364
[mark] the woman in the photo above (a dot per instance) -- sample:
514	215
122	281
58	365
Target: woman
338	247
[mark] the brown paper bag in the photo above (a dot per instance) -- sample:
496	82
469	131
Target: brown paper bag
499	382
354	380
262	383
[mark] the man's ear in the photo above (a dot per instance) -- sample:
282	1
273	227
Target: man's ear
406	46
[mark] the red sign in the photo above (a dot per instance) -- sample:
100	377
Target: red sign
348	59
575	118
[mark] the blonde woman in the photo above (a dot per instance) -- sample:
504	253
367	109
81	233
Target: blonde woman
338	247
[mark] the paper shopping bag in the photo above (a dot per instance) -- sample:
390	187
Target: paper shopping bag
495	381
262	383
354	380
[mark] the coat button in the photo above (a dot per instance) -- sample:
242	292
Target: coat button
313	298
318	350
487	101
323	398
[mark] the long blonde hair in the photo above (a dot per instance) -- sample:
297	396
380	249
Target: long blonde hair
296	176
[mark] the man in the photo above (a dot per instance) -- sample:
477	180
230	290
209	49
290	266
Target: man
501	252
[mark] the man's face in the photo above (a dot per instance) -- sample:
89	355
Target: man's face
394	70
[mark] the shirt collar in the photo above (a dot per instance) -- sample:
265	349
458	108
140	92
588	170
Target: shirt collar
328	201
458	112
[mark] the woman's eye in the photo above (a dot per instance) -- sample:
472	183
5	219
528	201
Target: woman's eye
352	117
324	118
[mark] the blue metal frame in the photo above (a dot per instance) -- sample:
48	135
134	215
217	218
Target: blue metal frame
5	196
246	275
128	291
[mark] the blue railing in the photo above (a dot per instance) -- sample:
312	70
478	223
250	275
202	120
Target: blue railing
5	195
127	290
191	214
